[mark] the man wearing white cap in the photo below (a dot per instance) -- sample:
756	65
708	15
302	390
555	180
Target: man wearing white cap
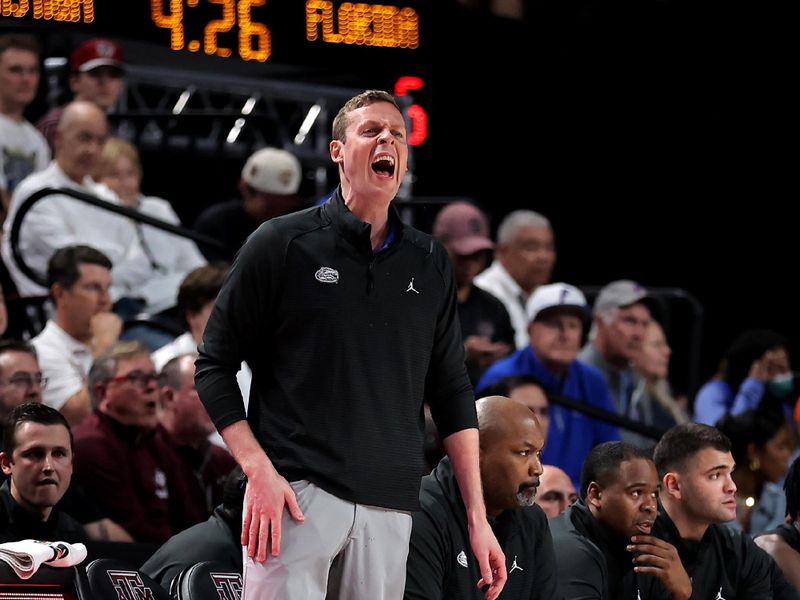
557	313
268	187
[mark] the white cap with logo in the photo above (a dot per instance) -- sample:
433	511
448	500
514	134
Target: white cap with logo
273	171
555	295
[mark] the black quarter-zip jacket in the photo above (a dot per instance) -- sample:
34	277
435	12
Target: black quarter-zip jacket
441	565
725	564
344	346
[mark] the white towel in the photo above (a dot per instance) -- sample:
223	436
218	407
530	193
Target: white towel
26	556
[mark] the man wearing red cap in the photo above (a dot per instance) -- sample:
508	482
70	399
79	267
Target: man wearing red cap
96	72
485	324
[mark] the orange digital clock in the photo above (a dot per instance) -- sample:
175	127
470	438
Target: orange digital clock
351	23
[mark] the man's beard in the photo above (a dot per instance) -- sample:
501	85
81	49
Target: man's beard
526	496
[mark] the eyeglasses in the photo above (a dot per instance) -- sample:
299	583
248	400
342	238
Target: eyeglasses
137	378
26	380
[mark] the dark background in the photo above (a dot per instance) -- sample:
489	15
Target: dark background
656	135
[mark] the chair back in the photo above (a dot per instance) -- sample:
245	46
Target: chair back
207	580
110	578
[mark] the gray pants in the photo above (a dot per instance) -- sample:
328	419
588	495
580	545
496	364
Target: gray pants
343	551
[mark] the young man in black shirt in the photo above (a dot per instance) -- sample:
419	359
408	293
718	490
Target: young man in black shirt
37	459
698	495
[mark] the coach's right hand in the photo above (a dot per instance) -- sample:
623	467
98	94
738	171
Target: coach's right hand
265	497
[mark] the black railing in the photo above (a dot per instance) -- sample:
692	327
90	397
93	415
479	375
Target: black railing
609	417
124	211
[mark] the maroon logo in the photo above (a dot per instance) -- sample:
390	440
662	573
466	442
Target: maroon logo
129	586
228	585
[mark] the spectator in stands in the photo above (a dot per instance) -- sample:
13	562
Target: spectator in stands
97	70
23	150
761	444
557	315
698	495
439	564
196	296
783	542
268	186
139	284
21	382
21	379
652	366
61	220
135	476
754	368
83	327
593	539
530	392
619	320
556	491
170	257
185	420
37	458
524	260
218	539
485	326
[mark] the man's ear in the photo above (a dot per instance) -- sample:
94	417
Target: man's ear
337	151
5	463
57	291
99	392
167	395
671	484
594	495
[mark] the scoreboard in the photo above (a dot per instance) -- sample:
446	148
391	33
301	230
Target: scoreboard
294	32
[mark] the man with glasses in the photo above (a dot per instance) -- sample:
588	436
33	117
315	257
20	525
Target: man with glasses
97	69
20	377
133	473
